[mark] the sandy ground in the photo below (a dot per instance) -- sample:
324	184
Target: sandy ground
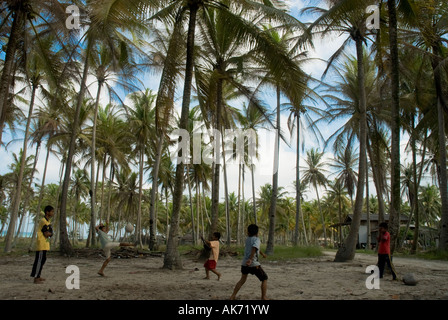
144	279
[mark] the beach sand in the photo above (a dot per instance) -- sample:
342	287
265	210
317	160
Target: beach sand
143	278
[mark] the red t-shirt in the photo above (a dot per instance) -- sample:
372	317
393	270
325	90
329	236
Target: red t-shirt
384	246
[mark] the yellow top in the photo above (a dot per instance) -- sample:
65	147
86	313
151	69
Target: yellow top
42	242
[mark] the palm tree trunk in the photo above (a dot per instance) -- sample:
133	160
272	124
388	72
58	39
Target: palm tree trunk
347	252
377	179
441	107
140	198
321	215
238	220
193	235
198	207
226	194
15	208
254	207
443	243
394	218
217	166
28	196
367	204
298	195
416	185
273	206
65	245
172	258
152	207
92	168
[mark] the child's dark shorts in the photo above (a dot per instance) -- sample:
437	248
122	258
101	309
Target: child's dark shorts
257	271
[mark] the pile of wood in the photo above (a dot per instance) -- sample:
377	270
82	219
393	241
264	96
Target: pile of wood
127	252
120	253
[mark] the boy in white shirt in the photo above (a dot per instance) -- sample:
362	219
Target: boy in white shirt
107	244
250	262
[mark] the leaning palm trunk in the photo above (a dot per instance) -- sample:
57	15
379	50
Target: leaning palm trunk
347	251
65	245
17	198
30	183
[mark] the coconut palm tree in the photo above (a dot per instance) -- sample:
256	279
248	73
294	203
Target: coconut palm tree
315	174
431	36
39	66
243	31
253	119
431	205
337	194
25	17
344	164
349	17
142	122
110	21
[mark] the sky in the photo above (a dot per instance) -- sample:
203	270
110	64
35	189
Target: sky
323	49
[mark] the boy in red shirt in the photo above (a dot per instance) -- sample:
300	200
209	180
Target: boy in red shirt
384	250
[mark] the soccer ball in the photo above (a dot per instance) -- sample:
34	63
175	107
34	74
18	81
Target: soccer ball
129	228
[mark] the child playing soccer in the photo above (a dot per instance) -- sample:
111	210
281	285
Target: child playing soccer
250	262
210	264
107	244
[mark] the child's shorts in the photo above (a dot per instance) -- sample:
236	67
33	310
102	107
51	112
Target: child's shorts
257	271
108	247
210	264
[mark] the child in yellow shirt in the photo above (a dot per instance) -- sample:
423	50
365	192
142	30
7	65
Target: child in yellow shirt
44	231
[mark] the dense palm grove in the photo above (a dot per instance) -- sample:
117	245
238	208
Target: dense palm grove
214	59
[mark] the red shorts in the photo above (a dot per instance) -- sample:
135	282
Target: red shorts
210	264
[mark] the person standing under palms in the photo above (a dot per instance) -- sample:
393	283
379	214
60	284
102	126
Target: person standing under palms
384	250
44	231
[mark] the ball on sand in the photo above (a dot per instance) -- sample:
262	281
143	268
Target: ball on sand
129	228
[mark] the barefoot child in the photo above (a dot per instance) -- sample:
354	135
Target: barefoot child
250	262
107	244
210	264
